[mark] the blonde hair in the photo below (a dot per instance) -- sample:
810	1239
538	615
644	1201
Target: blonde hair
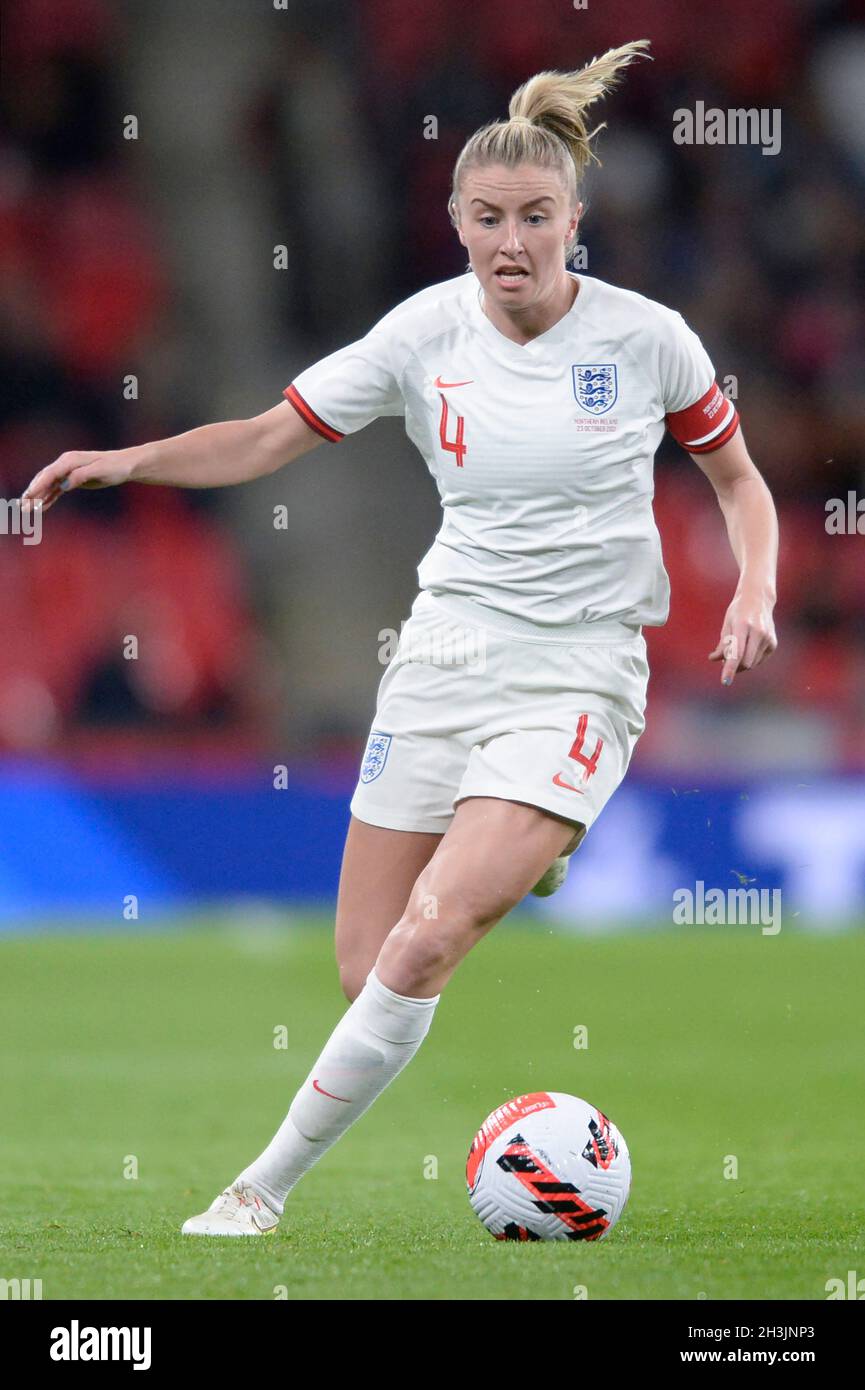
546	124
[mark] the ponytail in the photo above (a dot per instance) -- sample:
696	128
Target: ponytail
546	122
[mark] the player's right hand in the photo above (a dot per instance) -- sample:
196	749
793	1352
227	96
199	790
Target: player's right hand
80	469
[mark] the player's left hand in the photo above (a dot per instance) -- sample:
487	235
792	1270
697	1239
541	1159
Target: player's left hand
747	637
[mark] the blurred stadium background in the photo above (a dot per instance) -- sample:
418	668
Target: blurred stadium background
140	299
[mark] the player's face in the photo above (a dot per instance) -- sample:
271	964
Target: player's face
514	223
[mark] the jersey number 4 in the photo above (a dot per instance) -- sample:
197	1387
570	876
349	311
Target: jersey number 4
456	446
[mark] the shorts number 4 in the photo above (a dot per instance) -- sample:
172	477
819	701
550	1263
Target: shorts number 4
588	764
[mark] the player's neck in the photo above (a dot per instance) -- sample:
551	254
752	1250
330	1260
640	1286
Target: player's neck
521	326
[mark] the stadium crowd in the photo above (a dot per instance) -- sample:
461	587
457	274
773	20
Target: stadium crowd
763	254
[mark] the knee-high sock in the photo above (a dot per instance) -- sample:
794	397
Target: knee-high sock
370	1045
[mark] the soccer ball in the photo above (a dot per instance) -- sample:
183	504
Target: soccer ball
548	1166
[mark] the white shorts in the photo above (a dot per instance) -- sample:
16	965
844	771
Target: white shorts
468	709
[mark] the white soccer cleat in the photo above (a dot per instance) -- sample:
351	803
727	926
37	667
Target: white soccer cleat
553	878
238	1211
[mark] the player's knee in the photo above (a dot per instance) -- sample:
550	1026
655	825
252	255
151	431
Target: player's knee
431	938
471	907
426	949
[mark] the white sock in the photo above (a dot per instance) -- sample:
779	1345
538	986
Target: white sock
370	1045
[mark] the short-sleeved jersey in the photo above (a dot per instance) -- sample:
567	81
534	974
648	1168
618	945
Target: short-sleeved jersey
542	452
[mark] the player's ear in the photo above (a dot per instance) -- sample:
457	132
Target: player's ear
454	216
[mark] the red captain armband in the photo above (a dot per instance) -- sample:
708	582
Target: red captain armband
707	424
309	417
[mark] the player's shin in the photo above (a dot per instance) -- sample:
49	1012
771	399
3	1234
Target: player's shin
376	1037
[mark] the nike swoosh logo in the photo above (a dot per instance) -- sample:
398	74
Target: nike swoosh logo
322	1091
438	382
560	783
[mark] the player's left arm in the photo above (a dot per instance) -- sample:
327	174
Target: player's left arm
748	632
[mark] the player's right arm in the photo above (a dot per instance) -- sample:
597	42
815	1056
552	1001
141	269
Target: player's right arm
218	455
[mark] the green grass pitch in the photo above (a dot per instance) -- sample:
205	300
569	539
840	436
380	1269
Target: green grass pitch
154	1054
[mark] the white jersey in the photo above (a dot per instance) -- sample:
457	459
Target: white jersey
542	452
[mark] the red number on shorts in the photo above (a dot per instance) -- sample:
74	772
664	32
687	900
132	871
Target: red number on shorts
589	764
458	447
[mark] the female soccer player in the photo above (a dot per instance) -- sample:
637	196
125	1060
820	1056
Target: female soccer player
537	399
